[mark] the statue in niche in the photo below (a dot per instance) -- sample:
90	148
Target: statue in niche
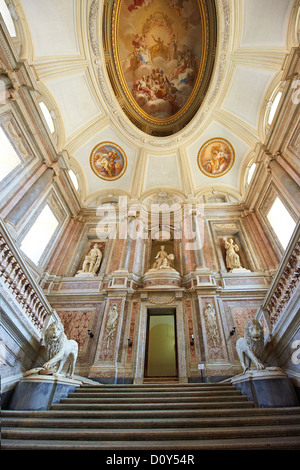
232	258
211	324
91	262
163	260
111	325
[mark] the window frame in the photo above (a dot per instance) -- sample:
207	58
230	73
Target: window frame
62	216
266	204
37	215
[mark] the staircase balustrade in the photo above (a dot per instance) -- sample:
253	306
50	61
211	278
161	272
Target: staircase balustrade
284	285
21	283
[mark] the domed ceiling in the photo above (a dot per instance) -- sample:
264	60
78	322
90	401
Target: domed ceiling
156	97
160	56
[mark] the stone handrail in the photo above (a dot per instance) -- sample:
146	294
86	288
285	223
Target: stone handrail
284	283
21	283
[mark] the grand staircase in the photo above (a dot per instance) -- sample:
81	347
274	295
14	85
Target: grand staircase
161	416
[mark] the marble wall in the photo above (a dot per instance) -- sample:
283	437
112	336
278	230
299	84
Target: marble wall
208	299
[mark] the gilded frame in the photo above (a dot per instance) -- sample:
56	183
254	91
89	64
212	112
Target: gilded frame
216	157
108	161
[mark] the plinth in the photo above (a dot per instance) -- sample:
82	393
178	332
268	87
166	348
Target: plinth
267	388
39	392
163	278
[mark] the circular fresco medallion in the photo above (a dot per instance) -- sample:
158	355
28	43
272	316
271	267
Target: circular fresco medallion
108	161
216	157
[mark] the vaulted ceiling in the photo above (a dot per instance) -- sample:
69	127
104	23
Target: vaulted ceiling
63	42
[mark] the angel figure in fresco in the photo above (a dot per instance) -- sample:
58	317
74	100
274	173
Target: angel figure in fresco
109	163
159	48
112	157
232	258
218	158
137	4
177	5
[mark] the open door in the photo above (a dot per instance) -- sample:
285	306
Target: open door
161	347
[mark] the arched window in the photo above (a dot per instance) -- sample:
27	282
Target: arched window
251	170
7	18
9	159
274	107
74	179
47	116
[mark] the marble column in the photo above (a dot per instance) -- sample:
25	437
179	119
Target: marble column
199	243
125	256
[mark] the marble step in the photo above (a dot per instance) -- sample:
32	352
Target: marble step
160	413
211	386
148	423
157	393
253	443
150	406
150	399
146	390
230	432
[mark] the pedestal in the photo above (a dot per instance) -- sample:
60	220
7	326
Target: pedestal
268	388
39	392
240	271
162	278
84	274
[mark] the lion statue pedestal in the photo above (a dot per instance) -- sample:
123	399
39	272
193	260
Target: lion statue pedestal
38	392
267	387
43	386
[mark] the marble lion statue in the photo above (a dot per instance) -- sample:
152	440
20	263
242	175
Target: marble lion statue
59	350
251	346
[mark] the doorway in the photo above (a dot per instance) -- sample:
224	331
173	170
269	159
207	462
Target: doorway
161	344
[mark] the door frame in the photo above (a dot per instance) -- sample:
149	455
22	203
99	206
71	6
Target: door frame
182	338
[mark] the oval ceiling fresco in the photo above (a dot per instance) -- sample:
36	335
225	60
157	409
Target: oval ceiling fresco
160	59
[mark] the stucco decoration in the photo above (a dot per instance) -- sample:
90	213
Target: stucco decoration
211	324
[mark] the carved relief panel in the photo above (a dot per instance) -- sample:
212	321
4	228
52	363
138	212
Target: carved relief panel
110	331
214	345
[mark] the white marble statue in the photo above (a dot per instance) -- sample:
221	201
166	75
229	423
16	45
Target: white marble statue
59	350
251	346
91	262
232	258
163	260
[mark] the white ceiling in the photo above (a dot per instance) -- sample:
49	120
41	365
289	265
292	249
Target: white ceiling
78	90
